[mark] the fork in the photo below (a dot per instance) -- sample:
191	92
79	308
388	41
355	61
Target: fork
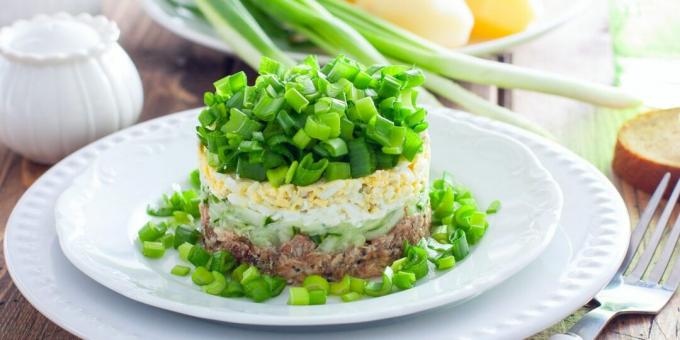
631	293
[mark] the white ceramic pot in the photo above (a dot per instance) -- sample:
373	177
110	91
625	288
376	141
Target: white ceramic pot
23	9
64	82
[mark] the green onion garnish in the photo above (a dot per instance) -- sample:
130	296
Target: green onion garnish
153	249
493	207
202	276
317	297
184	250
340	287
180	270
298	296
293	113
198	256
357	285
351	296
257	289
185	235
218	284
151	231
445	262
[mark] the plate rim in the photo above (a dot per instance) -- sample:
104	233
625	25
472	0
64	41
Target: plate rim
533	316
179	27
550	215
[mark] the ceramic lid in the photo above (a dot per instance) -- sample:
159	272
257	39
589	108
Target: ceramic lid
57	38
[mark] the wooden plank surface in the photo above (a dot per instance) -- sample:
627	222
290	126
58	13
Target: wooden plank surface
176	72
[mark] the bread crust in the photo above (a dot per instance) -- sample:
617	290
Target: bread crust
639	170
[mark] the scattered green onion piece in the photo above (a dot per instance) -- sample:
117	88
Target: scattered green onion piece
399	264
357	285
317	297
180	270
276	284
185	235
198	256
340	287
151	231
167	240
222	261
153	249
445	262
233	289
237	274
184	250
416	261
298	296
257	290
440	233
351	296
493	207
380	288
250	274
217	285
195	179
459	244
316	282
404	280
202	276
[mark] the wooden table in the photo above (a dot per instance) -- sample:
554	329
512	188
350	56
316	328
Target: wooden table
176	72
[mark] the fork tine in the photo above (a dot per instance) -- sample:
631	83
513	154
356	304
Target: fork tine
646	258
674	279
665	258
646	217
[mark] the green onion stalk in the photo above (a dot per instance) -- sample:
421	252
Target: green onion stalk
236	25
327	32
407	47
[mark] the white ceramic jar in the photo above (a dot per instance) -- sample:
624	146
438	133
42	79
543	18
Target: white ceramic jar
64	82
13	10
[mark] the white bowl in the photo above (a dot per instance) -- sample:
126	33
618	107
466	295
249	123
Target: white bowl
22	9
64	82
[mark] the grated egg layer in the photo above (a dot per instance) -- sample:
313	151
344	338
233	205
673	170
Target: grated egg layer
350	201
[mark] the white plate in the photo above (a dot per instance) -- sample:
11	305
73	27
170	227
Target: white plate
555	13
99	215
585	252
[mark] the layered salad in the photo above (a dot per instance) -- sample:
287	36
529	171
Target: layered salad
315	170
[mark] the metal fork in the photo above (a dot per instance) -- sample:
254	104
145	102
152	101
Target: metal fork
631	293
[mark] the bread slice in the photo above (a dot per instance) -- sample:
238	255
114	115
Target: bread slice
648	146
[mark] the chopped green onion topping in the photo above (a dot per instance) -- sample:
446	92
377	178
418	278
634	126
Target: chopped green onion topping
257	130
